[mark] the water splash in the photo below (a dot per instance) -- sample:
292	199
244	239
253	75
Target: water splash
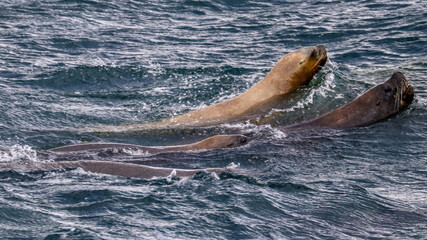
134	152
215	176
18	153
232	166
326	89
171	176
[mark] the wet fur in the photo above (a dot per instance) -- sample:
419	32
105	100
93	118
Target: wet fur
291	72
378	103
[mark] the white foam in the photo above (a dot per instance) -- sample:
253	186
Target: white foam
215	176
182	182
171	175
134	152
278	134
160	90
18	153
324	90
232	166
245	127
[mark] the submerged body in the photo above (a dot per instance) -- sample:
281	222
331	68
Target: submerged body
214	142
79	156
111	168
291	72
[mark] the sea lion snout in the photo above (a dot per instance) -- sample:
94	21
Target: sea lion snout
314	52
397	82
319	51
408	95
237	140
403	93
221	141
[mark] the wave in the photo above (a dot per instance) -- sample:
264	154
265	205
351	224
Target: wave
19	154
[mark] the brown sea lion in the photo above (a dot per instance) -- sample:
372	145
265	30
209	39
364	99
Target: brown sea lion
111	168
291	72
378	103
214	142
68	157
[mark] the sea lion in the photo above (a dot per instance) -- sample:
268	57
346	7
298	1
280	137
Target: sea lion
292	71
71	156
214	142
378	103
111	168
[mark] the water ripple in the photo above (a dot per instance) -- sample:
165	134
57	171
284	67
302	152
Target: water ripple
69	64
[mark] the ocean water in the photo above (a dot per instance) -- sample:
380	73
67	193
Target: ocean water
70	64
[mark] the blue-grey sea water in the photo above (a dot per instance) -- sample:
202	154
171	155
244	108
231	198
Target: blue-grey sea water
72	64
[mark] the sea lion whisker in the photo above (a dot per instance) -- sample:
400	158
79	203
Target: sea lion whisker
398	98
318	66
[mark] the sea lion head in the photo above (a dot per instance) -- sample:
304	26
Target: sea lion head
392	96
222	141
377	104
311	60
300	66
396	91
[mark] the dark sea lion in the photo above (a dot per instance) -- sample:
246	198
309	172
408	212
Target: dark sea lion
378	103
71	156
67	157
214	142
291	72
124	169
111	168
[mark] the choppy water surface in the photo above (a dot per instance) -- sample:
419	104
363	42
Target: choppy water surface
73	64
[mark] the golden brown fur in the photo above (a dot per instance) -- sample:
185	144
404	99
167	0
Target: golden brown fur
292	71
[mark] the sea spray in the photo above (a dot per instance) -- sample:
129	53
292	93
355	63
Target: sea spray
18	153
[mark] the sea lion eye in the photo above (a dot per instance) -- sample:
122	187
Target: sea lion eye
301	62
388	89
